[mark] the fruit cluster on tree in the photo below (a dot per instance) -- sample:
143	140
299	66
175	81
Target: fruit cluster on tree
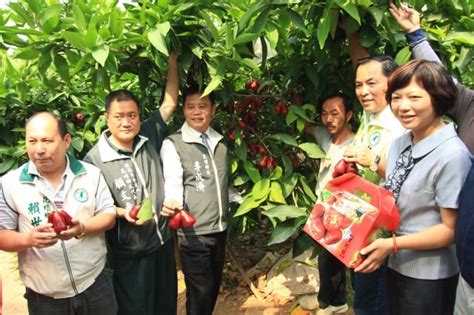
271	63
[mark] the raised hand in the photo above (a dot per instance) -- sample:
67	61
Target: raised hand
407	18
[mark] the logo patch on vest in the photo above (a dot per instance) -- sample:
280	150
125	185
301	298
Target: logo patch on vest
81	195
374	138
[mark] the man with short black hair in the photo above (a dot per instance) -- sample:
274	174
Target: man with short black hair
63	271
378	128
333	137
141	253
196	169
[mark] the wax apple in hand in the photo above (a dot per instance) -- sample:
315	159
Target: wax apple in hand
60	220
134	212
143	211
182	219
187	219
175	221
342	167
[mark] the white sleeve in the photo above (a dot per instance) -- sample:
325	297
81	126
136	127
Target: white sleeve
8	217
172	171
103	199
322	136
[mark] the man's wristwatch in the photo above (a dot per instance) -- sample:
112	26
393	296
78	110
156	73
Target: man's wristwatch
375	164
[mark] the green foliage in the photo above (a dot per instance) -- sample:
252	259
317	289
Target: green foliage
67	57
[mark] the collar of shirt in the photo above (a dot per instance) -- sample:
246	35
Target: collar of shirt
109	152
429	143
45	187
383	118
191	135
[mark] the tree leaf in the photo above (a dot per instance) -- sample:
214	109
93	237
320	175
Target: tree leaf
90	38
62	67
302	243
240	150
462	37
276	193
146	210
260	22
79	17
100	54
245	38
250	63
403	55
252	171
75	39
288	184
50	18
283	231
324	26
28	54
22	13
350	8
215	82
261	189
157	35
308	191
256	7
296	19
77	143
7	164
271	34
312	149
284	212
277	173
210	25
247	205
283	137
377	13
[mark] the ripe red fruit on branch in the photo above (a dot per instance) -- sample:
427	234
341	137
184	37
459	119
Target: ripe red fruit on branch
241	123
256	102
272	162
231	135
134	212
252	85
281	108
263	162
79	117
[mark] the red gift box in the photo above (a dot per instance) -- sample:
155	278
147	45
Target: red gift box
350	213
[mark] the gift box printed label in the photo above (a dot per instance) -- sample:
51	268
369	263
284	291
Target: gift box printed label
351	213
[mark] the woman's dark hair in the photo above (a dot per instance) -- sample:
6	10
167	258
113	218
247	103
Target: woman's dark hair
119	95
388	64
429	75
